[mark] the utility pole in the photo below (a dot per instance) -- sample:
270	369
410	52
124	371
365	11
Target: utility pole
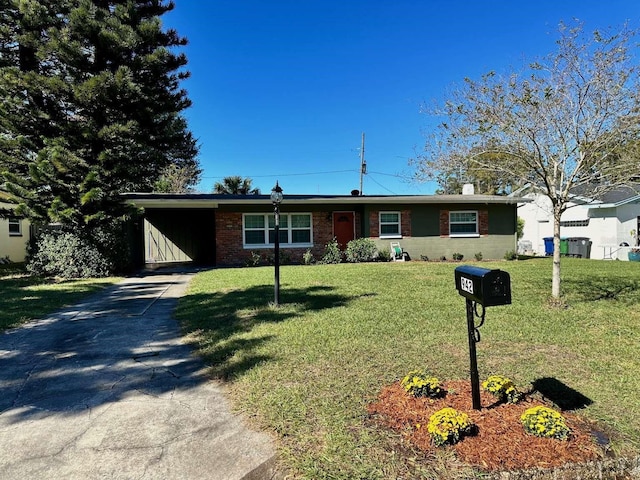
363	163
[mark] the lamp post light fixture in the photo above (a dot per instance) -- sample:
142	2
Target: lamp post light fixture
276	199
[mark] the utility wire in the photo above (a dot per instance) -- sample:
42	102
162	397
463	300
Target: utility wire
379	184
295	174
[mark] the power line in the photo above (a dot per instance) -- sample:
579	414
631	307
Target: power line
395	175
380	185
294	174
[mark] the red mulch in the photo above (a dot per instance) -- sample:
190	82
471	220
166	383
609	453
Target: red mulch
500	442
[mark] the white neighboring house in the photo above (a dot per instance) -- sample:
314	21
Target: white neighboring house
607	222
15	233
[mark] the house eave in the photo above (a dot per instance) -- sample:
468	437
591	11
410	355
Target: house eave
614	205
163	200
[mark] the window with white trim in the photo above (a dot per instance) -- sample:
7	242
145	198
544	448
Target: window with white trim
258	230
15	226
390	225
463	224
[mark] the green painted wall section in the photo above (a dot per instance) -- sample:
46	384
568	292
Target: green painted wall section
425	240
492	247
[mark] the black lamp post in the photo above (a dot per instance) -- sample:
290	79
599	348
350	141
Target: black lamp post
276	198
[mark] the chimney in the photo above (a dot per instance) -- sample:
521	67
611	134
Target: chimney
467	189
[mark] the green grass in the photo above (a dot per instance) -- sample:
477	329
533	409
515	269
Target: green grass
24	297
307	369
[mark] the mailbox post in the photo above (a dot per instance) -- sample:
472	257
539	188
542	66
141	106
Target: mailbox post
487	288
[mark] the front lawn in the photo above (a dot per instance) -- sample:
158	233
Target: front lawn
24	297
308	369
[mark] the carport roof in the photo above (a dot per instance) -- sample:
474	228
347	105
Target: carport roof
210	200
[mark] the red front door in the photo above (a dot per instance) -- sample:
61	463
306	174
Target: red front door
343	228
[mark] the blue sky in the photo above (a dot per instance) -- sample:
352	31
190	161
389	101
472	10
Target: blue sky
283	89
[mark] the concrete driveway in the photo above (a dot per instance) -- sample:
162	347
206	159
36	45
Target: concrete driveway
107	390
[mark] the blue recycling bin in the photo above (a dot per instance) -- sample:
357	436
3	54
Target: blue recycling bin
548	245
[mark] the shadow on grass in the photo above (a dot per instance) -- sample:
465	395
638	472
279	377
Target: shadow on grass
219	319
19	303
562	395
593	289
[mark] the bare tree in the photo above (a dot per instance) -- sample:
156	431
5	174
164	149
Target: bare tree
567	123
178	179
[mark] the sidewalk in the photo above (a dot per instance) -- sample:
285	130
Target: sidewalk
106	390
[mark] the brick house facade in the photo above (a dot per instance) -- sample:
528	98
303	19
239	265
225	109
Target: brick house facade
219	230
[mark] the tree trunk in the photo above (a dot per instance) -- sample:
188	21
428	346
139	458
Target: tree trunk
555	279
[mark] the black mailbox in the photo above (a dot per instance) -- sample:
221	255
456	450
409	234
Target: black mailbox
484	286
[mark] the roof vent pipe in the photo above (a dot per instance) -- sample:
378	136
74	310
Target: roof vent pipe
467	189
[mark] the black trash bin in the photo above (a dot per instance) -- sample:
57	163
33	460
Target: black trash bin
579	247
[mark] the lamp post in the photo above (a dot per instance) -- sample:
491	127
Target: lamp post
276	198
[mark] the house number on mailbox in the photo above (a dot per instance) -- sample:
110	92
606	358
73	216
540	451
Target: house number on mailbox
466	284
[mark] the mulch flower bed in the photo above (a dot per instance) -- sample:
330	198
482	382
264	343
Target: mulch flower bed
499	443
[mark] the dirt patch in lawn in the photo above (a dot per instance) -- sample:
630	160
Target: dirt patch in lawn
499	443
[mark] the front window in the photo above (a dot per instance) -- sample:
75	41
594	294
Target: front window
259	229
463	224
15	226
390	224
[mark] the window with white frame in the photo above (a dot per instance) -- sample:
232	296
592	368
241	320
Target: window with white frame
258	229
15	226
463	224
389	224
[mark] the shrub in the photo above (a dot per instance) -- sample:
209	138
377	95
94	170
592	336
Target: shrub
308	258
424	258
113	240
383	255
361	250
478	256
544	422
502	388
458	257
510	255
520	227
58	253
284	258
253	260
447	426
419	384
332	253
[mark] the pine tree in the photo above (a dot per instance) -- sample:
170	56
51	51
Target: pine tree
91	106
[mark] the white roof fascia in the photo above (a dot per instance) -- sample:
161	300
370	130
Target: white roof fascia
185	202
171	203
617	204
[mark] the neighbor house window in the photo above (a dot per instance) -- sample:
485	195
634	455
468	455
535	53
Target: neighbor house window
390	224
15	226
463	224
259	229
575	223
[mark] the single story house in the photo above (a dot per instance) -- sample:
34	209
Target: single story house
608	222
15	233
226	230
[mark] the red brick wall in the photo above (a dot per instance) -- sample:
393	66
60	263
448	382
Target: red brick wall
483	222
405	223
374	225
444	223
229	249
323	230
